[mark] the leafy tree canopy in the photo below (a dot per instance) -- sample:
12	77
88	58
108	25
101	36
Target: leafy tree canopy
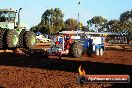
98	22
71	24
51	21
126	20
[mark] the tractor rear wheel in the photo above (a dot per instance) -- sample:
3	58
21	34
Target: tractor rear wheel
2	32
12	38
29	39
76	50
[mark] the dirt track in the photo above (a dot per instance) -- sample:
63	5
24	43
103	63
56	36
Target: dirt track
18	70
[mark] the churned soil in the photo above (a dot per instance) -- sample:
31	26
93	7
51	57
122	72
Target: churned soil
24	69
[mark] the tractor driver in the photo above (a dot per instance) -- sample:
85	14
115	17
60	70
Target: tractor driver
67	38
67	42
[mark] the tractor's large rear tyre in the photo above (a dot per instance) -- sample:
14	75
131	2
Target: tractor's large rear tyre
2	32
12	39
21	39
76	50
29	39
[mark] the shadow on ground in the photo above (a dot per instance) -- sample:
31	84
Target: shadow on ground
14	59
2	87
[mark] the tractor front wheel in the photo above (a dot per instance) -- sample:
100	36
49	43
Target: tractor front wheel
97	51
101	51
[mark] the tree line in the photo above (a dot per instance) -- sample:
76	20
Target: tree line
52	22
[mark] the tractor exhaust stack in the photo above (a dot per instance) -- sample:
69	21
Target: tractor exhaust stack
19	17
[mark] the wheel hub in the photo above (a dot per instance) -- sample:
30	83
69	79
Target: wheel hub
15	39
33	40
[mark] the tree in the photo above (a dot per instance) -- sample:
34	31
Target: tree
126	20
85	28
113	26
71	24
33	29
98	22
52	21
126	16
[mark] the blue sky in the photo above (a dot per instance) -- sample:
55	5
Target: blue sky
33	9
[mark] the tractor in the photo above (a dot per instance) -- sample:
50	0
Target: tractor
12	34
75	46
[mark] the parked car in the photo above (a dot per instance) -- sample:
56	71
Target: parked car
42	39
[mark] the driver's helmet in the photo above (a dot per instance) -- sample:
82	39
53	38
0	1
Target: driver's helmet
67	37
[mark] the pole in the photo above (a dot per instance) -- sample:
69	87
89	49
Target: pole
78	18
